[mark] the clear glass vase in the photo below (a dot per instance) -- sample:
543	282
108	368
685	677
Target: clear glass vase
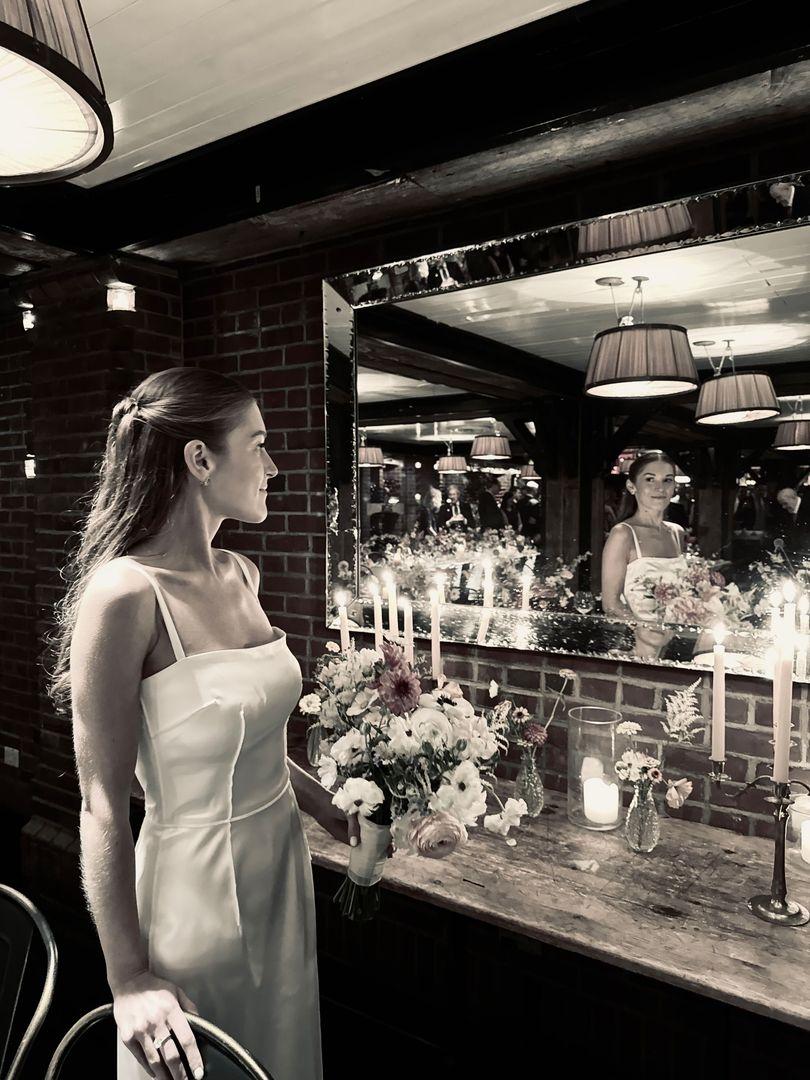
314	743
529	783
643	826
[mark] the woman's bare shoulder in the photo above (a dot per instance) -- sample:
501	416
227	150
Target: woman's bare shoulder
620	533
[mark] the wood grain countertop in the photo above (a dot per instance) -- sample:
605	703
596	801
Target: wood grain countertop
678	914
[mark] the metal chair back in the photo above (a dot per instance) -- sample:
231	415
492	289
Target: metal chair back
19	920
218	1038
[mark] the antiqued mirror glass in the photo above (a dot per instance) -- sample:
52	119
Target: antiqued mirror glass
465	456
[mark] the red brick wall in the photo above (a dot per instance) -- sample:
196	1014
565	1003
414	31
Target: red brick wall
261	321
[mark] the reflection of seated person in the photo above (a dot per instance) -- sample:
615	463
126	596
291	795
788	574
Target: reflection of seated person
455	513
489	512
427	516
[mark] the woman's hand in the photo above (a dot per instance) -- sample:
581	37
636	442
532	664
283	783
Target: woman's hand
344	827
149	1009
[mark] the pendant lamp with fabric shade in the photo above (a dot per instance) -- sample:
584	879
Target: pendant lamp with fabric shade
792	435
737	398
452	463
528	472
658	225
490	447
639	360
369	457
54	120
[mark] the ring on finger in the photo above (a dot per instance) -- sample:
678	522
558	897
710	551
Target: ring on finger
159	1042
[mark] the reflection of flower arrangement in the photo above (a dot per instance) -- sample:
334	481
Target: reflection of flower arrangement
769	576
413	760
551	587
696	596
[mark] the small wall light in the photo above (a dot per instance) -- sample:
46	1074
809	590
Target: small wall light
120	296
29	319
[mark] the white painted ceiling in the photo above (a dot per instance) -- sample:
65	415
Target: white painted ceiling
755	290
386	386
182	73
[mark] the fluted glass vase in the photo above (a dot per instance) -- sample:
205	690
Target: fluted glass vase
642	827
529	783
314	743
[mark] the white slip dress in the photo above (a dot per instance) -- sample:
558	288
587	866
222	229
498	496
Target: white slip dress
224	886
645	608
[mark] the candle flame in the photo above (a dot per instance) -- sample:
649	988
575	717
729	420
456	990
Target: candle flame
789	591
342	598
388	577
720	634
434	596
804	604
374	587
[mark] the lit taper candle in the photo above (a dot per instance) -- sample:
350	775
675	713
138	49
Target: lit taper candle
719	696
407	626
342	600
376	600
435	647
393	615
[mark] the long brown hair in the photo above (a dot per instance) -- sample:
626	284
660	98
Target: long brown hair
142	470
628	505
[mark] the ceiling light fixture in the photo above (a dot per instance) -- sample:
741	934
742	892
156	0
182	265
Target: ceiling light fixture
54	120
736	397
658	225
120	296
490	447
369	457
451	463
29	319
793	433
528	472
639	360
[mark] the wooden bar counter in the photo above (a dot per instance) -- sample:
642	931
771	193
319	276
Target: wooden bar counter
677	915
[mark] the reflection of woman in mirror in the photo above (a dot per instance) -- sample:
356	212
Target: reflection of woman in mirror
641	546
427	522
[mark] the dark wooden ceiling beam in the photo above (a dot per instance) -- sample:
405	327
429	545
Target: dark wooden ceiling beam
425	367
416	409
505	365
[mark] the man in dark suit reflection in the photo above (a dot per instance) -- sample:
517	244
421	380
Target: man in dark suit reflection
792	519
489	511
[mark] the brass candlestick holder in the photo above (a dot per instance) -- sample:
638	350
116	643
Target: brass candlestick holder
773	907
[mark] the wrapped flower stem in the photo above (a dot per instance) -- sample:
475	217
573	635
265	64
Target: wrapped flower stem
359	895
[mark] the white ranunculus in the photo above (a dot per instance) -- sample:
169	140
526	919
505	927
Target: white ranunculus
358	796
362	700
349	748
404	740
432	726
310	705
327	771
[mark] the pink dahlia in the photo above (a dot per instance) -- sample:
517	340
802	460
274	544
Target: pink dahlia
399	689
393	654
535	734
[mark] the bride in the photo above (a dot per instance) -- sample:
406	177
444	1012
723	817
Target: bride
643	546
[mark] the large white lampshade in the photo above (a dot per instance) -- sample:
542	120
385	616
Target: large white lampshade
792	435
54	120
640	361
490	447
737	398
452	463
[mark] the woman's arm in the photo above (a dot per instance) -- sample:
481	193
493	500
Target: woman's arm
614	570
114	628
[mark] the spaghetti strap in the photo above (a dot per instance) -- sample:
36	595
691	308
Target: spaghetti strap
635	538
243	564
673	528
174	637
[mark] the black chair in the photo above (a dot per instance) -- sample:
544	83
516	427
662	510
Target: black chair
19	918
218	1038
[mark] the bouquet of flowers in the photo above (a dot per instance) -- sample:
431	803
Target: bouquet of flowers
697	596
769	576
415	764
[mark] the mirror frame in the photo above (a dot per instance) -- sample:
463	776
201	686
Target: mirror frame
545	251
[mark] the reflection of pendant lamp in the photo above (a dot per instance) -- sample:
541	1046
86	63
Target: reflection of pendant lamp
451	463
658	225
736	397
490	447
54	120
639	360
793	435
369	457
528	472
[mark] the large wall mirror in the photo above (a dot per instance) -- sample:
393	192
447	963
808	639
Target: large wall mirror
589	440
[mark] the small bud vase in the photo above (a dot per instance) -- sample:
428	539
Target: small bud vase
529	785
314	743
642	828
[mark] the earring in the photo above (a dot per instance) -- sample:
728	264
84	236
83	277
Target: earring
205	481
